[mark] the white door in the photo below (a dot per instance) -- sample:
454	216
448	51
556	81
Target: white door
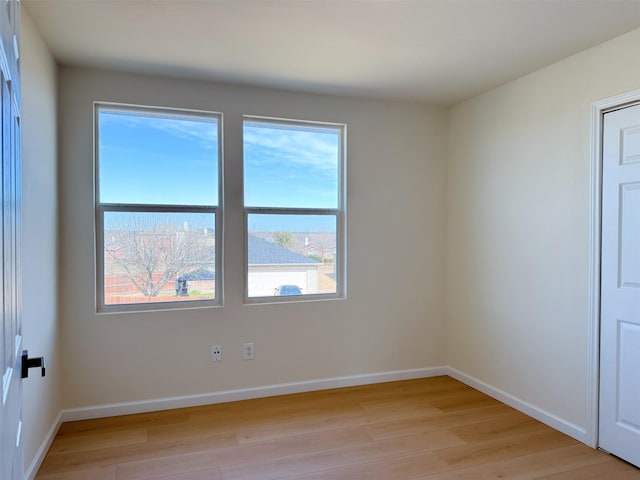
10	295
620	289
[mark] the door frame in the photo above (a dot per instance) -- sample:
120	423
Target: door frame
598	109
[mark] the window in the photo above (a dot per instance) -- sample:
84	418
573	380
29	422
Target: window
294	209
158	208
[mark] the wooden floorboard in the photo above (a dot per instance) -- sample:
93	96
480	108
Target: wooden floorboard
427	429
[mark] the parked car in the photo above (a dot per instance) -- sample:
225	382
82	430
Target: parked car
288	290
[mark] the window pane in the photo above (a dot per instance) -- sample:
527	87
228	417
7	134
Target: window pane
158	257
290	166
157	159
291	255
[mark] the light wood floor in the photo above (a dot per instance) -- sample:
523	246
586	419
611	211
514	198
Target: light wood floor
428	429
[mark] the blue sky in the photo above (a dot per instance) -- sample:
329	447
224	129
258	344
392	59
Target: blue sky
287	166
158	160
292	223
173	160
145	220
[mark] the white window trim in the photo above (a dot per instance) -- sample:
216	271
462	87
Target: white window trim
339	213
101	208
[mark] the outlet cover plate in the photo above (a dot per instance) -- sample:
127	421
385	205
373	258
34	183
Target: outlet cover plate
248	351
216	353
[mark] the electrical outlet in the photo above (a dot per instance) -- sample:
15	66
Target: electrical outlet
216	353
248	351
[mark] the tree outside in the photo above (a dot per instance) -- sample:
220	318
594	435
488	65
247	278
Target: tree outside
284	239
152	250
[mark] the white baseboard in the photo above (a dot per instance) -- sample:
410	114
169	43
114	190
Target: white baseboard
126	408
540	414
38	458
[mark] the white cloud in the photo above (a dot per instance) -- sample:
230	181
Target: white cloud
201	129
317	149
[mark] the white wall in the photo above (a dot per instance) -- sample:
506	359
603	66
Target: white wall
393	318
42	401
517	234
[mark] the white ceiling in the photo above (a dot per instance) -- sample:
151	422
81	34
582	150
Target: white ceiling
438	52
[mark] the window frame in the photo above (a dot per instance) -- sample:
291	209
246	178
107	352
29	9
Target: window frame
101	208
340	213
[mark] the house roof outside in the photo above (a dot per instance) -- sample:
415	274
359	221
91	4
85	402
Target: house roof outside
262	252
306	242
199	274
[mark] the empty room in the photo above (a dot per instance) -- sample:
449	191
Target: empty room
292	239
